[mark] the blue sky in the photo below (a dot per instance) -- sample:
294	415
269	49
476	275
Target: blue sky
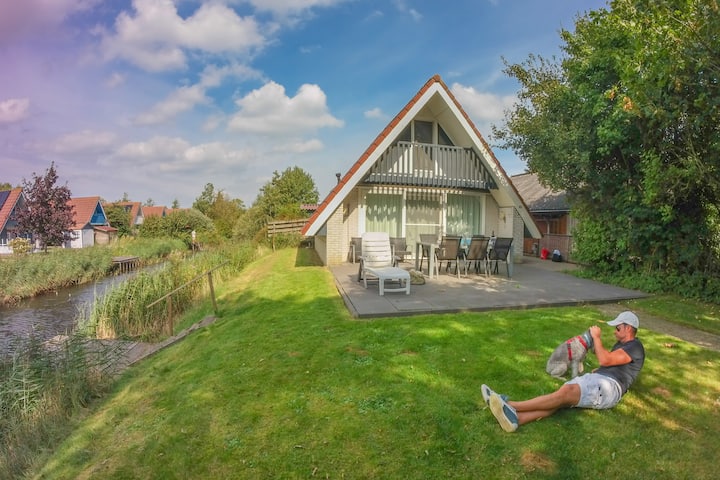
156	98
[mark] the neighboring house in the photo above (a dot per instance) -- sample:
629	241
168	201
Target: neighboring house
154	212
134	210
90	225
10	201
428	172
551	212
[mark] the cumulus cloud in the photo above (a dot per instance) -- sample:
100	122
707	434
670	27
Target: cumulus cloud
181	100
486	107
374	113
155	36
268	110
84	141
174	154
313	145
114	80
187	97
284	7
14	109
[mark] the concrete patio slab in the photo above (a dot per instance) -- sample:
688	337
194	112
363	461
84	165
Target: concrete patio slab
535	283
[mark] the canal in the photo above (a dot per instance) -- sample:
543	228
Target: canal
50	314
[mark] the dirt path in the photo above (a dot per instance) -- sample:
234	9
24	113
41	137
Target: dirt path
703	339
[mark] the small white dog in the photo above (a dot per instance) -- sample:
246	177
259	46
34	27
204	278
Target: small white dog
569	355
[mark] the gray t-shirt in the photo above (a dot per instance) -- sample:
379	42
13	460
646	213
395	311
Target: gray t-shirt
626	374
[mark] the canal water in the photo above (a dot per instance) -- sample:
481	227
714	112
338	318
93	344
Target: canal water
50	314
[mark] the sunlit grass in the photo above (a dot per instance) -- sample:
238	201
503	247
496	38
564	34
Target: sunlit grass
286	385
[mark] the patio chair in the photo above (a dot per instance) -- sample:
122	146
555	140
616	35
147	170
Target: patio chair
398	245
449	251
500	253
477	253
378	261
426	238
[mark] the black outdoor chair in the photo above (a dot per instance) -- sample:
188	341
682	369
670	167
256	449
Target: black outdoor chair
399	248
477	253
449	251
500	253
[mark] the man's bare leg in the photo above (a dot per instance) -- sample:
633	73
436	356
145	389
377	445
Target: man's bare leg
545	405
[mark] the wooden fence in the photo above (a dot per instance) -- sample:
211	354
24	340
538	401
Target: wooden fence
284	226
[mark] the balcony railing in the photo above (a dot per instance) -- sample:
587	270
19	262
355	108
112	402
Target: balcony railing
421	164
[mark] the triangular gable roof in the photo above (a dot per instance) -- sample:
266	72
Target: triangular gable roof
8	200
83	211
538	197
433	87
135	210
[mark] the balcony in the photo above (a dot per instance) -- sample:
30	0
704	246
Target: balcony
421	164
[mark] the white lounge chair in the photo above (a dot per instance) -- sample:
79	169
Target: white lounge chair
377	261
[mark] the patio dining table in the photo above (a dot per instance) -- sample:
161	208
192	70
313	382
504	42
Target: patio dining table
431	246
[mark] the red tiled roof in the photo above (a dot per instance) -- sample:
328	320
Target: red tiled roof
153	211
7	207
83	210
134	210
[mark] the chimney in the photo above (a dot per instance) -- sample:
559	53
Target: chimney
338	177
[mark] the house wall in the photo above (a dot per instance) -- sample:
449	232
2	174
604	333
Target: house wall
337	238
83	238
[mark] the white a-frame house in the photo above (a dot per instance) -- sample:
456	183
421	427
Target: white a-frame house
428	172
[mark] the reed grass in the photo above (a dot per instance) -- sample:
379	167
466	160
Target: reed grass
124	312
40	388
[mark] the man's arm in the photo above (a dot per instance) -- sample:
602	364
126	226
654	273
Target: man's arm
605	357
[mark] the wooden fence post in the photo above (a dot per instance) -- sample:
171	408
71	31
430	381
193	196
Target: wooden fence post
212	292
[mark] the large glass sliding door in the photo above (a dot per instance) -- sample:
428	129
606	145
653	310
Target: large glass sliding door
384	213
423	215
464	215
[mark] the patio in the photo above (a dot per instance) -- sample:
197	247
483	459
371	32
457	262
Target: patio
535	283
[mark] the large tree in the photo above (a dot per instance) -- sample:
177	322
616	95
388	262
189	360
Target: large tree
627	123
223	210
46	214
281	197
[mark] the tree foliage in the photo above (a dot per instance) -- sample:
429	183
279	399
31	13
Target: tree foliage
119	218
218	206
627	124
281	197
180	224
46	215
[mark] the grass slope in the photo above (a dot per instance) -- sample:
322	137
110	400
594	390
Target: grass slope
286	385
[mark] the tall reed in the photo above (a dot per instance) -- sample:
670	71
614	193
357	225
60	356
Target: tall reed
124	312
41	385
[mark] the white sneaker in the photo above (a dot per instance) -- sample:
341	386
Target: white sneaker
504	413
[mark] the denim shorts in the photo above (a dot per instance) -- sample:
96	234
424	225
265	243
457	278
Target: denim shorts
597	391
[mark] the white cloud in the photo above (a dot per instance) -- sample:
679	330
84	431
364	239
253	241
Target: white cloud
181	100
313	145
486	107
402	7
374	113
154	38
14	109
85	141
292	6
187	97
268	110
174	154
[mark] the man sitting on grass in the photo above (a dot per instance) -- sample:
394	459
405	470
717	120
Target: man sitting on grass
600	389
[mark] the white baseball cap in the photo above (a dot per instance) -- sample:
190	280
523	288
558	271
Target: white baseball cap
626	317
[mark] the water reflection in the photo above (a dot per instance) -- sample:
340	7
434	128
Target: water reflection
51	314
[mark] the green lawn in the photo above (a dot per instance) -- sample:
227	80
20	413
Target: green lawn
287	385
